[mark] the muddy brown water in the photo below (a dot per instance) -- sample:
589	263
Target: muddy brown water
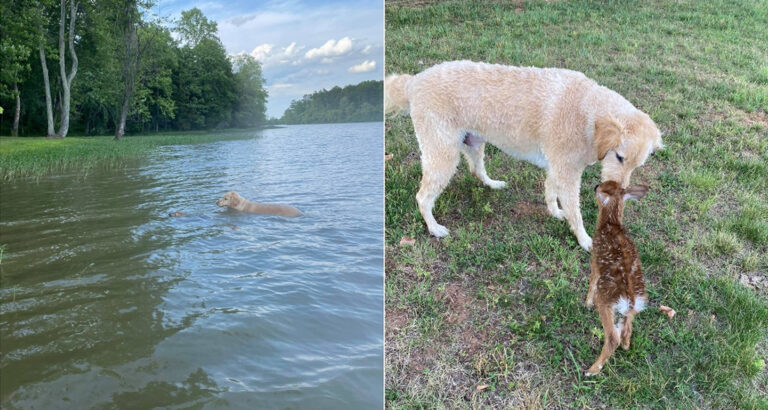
108	302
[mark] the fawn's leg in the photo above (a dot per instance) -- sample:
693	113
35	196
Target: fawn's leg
626	329
594	275
611	339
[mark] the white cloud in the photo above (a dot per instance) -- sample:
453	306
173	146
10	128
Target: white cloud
331	48
289	51
269	55
364	67
367	49
279	23
261	52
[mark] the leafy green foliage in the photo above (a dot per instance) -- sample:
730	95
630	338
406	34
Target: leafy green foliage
193	27
180	85
353	103
251	105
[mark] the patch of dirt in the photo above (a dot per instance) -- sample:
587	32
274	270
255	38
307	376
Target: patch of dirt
472	341
455	297
757	117
526	208
396	320
461	310
420	359
756	282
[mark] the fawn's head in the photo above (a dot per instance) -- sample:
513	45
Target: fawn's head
610	197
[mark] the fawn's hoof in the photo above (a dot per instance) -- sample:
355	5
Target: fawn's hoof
625	344
593	371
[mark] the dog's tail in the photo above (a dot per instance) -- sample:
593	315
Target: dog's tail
395	97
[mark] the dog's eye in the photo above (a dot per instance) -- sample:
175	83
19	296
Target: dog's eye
620	158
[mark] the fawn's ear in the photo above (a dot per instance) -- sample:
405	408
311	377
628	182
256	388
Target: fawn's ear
603	197
635	192
607	135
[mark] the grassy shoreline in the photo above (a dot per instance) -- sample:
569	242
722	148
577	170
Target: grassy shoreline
493	315
34	157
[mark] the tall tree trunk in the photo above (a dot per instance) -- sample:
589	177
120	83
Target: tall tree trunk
66	80
47	84
130	66
120	131
17	113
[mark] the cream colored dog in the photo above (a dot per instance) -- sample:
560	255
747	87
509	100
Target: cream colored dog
233	200
557	119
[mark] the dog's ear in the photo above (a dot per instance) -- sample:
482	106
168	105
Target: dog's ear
234	199
607	135
635	192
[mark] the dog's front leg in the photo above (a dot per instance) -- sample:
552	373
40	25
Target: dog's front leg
568	192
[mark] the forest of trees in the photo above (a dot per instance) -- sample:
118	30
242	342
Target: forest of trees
107	67
353	103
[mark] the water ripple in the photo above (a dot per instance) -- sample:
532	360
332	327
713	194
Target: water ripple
109	302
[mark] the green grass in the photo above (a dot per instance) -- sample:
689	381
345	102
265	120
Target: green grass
499	303
37	156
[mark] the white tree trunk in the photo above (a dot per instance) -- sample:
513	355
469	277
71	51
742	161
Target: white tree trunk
17	112
46	82
66	80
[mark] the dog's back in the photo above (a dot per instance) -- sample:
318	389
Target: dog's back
271	209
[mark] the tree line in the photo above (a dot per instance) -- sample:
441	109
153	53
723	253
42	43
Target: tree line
108	66
353	103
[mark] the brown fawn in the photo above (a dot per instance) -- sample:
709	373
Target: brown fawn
616	281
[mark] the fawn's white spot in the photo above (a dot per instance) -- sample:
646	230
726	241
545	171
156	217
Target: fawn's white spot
639	303
622	306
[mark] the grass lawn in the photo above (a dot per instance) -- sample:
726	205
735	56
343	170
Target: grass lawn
37	156
493	315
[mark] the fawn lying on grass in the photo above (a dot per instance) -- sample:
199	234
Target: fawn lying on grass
616	282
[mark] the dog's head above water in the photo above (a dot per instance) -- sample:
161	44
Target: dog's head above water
624	143
230	199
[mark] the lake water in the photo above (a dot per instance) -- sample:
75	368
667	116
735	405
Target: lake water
107	302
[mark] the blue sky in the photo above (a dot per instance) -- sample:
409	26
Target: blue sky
304	46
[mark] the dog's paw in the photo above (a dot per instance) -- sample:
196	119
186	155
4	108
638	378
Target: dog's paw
439	231
496	184
558	213
586	243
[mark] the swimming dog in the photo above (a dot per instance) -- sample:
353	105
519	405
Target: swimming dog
233	200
